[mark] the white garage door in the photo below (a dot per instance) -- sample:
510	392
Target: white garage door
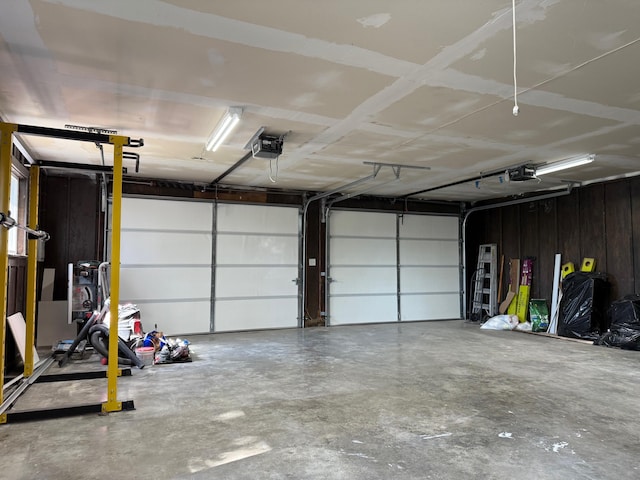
256	265
166	263
362	273
385	267
429	267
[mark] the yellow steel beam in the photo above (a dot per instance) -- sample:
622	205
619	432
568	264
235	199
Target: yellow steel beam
32	267
112	404
6	132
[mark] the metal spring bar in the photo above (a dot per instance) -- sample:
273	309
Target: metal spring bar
7	222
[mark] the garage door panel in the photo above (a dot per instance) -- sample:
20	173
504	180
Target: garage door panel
429	227
156	214
266	281
361	251
256	249
355	280
363	224
429	279
253	314
430	307
429	252
257	263
423	250
159	283
176	318
166	248
363	309
264	219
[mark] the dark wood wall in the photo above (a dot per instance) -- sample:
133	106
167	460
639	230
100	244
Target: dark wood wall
600	221
70	213
16	302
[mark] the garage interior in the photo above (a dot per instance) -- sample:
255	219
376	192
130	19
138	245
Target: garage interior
321	257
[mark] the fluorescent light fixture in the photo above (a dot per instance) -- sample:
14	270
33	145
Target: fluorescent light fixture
563	164
223	129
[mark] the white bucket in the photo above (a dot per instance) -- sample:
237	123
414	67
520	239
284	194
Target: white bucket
146	354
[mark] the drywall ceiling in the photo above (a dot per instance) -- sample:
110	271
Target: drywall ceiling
414	82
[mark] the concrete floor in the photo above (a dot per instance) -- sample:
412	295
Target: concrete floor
439	400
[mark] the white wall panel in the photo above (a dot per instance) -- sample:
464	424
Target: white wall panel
429	252
430	307
176	318
363	309
349	280
232	249
363	224
160	283
429	279
165	248
256	218
265	281
255	314
157	214
362	251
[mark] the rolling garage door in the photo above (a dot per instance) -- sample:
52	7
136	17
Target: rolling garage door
256	265
169	251
166	263
429	265
363	285
385	267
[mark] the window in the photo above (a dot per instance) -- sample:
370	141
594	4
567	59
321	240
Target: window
17	210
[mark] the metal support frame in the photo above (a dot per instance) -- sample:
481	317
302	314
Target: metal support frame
6	133
32	266
113	372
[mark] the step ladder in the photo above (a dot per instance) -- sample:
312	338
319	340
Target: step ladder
485	295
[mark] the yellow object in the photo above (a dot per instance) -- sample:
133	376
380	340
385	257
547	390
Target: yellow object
6	141
523	302
588	265
112	404
568	268
513	306
32	268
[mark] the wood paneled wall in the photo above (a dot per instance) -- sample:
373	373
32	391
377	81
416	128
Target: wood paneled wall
70	213
16	302
600	221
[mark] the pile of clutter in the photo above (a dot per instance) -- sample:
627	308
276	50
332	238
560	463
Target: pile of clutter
167	350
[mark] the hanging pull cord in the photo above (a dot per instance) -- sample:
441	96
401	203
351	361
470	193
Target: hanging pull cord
516	108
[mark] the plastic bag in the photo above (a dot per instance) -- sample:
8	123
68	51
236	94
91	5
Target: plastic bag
524	327
625	324
582	309
626	338
501	322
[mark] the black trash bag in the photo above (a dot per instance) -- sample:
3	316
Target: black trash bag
626	338
583	306
625	324
625	313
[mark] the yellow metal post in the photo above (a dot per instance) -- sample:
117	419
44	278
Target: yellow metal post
6	131
32	267
112	404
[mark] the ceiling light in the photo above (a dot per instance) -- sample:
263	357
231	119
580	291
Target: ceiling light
564	164
223	129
